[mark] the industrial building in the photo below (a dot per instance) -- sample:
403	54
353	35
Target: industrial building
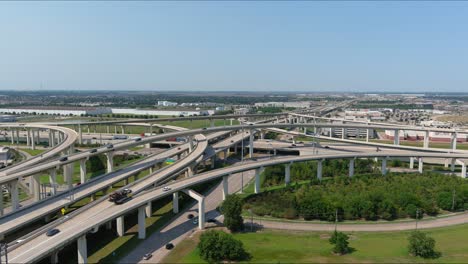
56	110
161	112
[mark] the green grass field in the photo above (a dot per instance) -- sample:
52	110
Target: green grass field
275	246
33	152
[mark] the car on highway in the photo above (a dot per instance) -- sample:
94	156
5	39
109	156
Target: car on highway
165	189
195	221
211	220
190	216
63	159
93	151
137	139
204	128
169	246
109	146
147	256
52	232
293	145
326	147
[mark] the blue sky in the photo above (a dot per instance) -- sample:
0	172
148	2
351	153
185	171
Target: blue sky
251	46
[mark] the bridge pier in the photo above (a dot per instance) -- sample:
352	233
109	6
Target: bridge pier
453	141
225	187
175	202
384	166
257	179
120	224
426	139
149	209
351	167
463	170
28	135
251	140
396	137
36	188
201	207
14	195
452	165
110	161
411	162
1	201
367	134
82	249
319	169
54	257
141	223
420	165
80	133
212	123
287	174
67	175
83	171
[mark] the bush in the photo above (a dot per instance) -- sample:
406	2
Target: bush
340	240
422	245
231	208
217	246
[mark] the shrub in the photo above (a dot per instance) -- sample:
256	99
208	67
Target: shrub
422	245
340	240
217	246
231	208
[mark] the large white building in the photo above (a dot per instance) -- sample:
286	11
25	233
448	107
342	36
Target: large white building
161	112
4	155
56	110
302	104
166	103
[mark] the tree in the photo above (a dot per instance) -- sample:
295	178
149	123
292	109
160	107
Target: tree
422	245
217	246
231	208
340	240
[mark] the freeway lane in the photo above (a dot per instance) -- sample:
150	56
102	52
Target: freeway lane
40	246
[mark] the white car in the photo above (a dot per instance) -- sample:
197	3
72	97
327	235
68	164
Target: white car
195	221
165	189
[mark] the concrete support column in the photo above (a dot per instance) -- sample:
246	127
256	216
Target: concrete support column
36	188
17	137
83	171
212	123
251	140
452	165
67	175
33	142
396	137
123	129
426	139
80	132
110	161
463	170
343	131
28	136
454	141
54	258
384	166
115	129
201	213
420	165
82	250
120	221
351	167
53	180
257	179
411	162
14	195
319	169
225	187
149	209
1	200
12	135
287	173
175	202
190	140
141	223
107	130
367	135
446	163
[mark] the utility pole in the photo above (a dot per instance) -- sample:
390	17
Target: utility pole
4	252
417	218
336	219
453	200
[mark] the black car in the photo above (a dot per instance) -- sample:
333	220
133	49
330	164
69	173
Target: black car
137	139
169	246
326	147
204	128
52	232
93	151
211	220
190	216
109	146
63	159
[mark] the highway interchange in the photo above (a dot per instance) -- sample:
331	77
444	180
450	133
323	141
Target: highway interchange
201	147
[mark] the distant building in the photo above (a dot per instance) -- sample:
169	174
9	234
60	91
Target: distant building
419	135
56	110
303	104
241	111
161	112
167	103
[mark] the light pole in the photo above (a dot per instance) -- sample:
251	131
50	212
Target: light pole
242	160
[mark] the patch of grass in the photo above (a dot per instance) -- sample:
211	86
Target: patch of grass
275	246
33	152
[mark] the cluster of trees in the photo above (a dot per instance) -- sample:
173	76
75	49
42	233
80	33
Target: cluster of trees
231	208
366	196
308	170
217	246
98	163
